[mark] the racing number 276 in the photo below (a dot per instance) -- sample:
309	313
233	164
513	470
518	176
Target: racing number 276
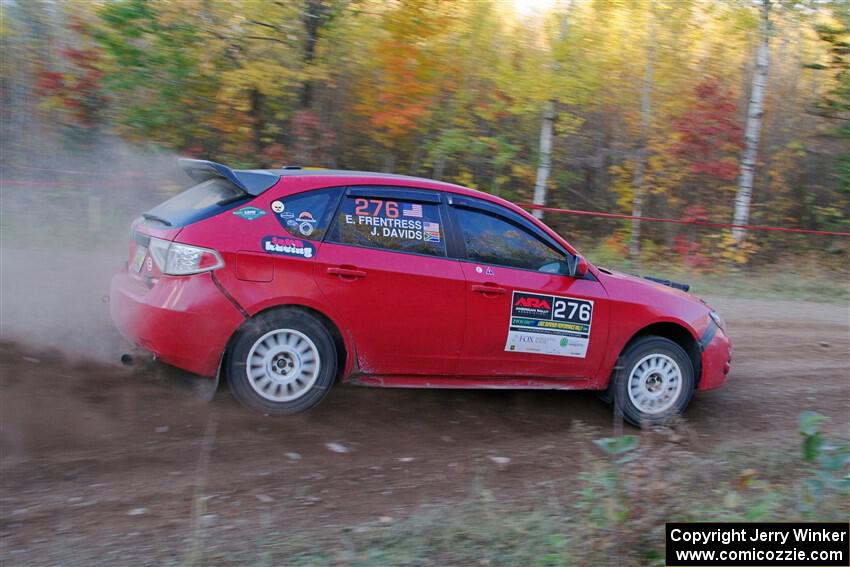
362	208
560	307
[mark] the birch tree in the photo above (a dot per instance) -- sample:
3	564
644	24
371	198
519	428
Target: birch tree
755	110
645	122
545	163
544	167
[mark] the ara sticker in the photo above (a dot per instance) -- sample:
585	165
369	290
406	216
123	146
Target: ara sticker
278	206
547	324
288	246
249	213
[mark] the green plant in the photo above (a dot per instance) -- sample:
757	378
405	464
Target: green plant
829	463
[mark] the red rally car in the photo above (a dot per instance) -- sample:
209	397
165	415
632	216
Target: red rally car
283	281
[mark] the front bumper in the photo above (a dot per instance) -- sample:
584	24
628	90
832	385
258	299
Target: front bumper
185	321
716	358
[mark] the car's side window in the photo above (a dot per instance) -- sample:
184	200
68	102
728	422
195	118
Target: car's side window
490	239
390	224
307	215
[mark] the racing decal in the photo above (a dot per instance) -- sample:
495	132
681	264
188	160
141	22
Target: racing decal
389	219
305	215
547	324
249	213
303	223
288	246
306	223
432	231
413	210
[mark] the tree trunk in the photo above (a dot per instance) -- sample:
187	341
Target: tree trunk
755	110
439	166
545	167
637	205
389	162
258	123
645	121
314	15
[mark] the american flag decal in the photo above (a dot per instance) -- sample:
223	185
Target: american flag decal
432	231
414	210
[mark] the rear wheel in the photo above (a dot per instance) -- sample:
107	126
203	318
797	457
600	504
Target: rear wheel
282	362
655	381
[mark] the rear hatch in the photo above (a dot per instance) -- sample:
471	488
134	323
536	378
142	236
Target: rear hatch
218	189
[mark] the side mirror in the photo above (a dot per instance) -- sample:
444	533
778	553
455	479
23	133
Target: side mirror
580	267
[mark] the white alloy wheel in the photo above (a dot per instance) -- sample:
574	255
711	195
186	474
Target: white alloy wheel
655	383
283	365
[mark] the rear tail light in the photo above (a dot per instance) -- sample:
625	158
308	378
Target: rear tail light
175	259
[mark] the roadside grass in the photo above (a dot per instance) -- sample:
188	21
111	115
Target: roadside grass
612	513
818	284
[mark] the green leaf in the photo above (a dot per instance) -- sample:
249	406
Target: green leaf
810	422
812	446
617	445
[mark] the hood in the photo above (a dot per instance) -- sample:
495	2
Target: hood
652	284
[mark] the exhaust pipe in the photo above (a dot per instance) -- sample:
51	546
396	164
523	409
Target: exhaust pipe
127	359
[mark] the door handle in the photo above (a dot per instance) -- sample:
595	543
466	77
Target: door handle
489	289
347	273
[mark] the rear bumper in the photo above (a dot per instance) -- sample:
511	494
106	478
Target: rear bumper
185	321
716	360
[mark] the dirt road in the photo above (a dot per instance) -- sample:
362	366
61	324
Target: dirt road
102	464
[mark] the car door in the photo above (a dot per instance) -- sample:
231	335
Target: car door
385	271
526	316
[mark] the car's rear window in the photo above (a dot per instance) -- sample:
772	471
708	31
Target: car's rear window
307	215
197	203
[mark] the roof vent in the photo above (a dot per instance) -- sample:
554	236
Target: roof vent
291	167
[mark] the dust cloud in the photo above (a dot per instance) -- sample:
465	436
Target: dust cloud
64	230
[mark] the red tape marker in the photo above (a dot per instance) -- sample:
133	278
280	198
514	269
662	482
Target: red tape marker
680	221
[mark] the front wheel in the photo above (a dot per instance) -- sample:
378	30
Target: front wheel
655	381
282	362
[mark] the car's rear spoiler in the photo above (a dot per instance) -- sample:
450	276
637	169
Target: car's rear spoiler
252	182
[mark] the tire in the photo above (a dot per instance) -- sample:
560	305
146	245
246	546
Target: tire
282	362
654	383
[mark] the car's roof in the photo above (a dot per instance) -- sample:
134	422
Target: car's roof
351	173
366	177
